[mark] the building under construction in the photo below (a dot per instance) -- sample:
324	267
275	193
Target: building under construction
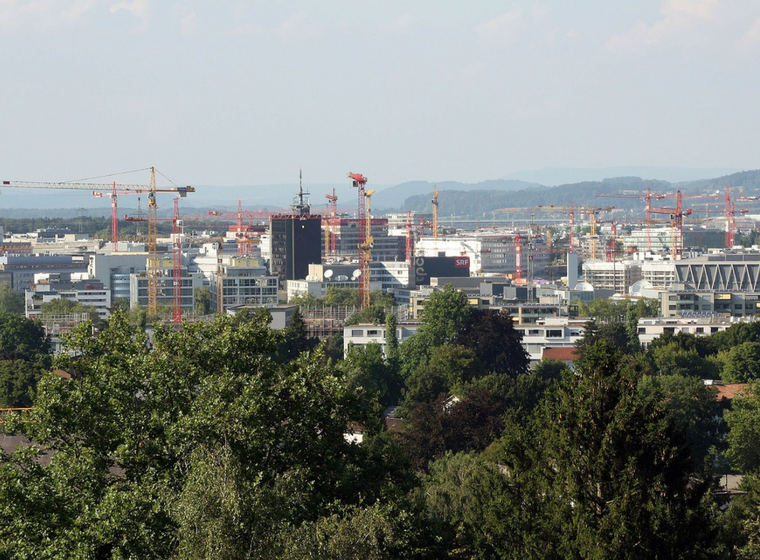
344	236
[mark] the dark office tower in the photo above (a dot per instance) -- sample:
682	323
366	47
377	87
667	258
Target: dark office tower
296	239
296	243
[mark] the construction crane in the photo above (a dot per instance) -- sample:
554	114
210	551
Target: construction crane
591	211
435	211
366	249
518	258
219	278
239	216
114	194
359	182
647	197
331	241
676	223
730	215
153	220
409	239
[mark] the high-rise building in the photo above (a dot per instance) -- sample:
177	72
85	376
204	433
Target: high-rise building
295	240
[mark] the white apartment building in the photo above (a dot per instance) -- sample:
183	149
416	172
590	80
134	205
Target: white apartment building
48	287
651	328
488	252
364	334
616	275
552	332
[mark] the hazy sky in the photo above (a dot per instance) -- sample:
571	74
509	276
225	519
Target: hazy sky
246	92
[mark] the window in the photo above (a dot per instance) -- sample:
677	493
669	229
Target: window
642	330
372	333
700	330
357	332
553	333
534	332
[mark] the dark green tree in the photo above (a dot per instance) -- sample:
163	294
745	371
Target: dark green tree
22	338
208	433
10	300
743	439
742	363
496	343
203	301
18	378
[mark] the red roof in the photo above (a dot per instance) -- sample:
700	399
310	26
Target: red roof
561	353
728	391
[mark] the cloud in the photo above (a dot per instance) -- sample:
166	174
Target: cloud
534	25
401	23
298	26
138	8
189	24
751	37
503	29
19	14
682	22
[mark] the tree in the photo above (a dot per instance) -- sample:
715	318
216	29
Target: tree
443	318
742	363
10	300
203	301
66	306
22	338
743	439
445	424
449	368
201	412
692	408
18	378
365	368
671	359
603	471
496	343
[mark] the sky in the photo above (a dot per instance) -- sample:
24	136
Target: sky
249	92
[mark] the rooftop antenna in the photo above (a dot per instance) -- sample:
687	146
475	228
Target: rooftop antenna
301	207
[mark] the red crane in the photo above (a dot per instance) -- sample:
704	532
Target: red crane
359	182
648	209
114	194
676	223
176	255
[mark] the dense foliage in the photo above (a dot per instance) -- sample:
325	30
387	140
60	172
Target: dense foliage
230	440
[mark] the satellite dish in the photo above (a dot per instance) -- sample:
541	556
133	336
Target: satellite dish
584	287
342	278
356	273
328	273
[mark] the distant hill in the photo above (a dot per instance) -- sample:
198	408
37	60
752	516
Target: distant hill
553	176
477	202
455	198
394	198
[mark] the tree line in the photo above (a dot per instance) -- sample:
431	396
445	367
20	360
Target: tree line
231	440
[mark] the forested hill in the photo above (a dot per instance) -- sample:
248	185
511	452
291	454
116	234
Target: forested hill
462	202
394	197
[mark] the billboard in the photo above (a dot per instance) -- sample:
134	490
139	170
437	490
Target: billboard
425	268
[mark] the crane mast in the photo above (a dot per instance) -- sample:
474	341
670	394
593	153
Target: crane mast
366	249
359	182
219	278
177	268
435	211
152	247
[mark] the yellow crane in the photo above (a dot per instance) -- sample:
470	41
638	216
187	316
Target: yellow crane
366	249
